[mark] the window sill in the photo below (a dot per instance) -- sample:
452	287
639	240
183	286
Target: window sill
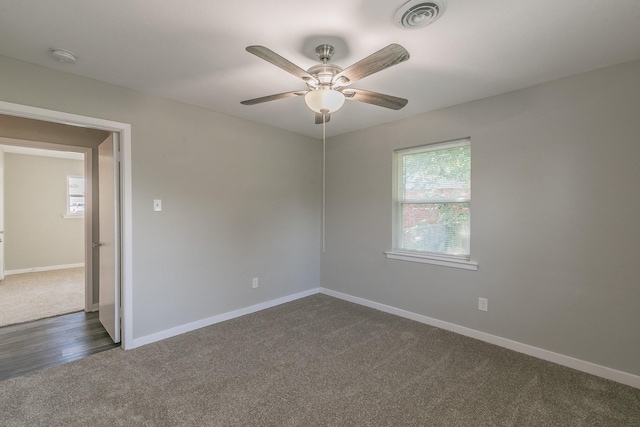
431	259
72	216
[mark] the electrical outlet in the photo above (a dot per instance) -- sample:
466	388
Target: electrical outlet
483	304
254	283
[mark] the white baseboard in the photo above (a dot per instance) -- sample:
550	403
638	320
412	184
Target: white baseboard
95	307
37	269
158	336
570	362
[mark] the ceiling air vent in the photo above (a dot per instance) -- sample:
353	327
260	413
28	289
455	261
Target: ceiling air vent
420	13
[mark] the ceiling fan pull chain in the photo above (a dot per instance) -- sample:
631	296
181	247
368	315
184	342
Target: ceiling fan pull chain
324	169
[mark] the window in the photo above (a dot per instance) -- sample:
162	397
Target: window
75	196
432	200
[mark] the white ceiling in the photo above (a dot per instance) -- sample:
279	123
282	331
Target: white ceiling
194	50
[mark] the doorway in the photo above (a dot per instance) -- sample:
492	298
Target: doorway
43	195
122	132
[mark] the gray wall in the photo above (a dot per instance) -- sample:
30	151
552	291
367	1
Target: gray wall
554	217
240	199
35	194
554	203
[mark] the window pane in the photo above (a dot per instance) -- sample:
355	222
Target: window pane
76	204
76	186
436	227
437	175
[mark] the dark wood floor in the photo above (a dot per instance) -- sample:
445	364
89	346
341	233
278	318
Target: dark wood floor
49	342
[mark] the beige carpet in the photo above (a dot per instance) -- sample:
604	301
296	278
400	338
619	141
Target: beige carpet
31	296
317	361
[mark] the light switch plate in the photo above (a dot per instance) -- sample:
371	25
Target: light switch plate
157	205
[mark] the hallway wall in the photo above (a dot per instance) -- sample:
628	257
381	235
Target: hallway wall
36	233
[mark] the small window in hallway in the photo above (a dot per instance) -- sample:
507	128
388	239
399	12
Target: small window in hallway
75	195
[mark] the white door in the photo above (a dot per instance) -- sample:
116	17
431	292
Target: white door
109	244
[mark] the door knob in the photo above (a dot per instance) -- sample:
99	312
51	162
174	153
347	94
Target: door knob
97	245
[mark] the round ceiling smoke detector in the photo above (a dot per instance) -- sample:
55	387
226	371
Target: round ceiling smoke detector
63	55
420	13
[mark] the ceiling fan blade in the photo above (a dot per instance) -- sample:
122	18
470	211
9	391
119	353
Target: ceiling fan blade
277	60
375	98
327	117
384	58
273	97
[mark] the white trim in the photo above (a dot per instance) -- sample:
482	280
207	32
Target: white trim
399	200
29	151
60	117
560	359
94	307
124	129
126	242
430	259
435	146
2	191
168	333
47	268
88	230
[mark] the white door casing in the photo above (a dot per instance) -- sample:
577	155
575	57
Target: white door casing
109	244
1	214
123	130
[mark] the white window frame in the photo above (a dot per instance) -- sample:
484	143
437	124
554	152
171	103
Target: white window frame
456	261
70	214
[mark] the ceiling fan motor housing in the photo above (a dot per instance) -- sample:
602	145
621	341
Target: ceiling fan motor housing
324	73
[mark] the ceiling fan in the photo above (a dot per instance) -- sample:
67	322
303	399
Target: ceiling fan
328	84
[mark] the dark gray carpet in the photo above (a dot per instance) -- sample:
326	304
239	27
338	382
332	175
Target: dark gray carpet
315	362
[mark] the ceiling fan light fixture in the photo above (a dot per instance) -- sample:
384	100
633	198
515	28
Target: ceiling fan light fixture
324	100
